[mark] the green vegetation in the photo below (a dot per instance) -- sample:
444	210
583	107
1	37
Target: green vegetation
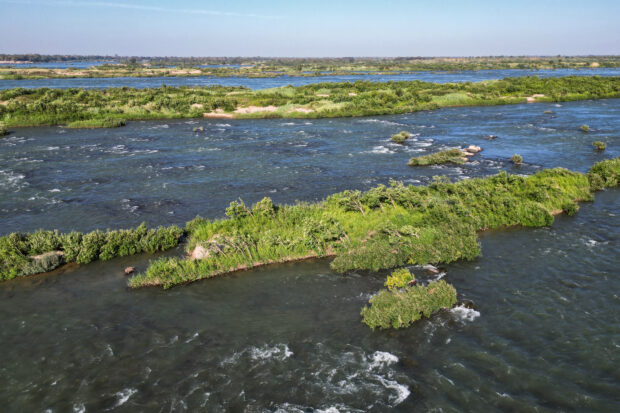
600	146
33	107
41	251
516	159
455	156
385	227
585	128
3	129
400	278
401	137
398	308
144	66
96	123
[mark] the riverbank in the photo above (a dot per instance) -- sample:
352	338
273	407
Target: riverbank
38	107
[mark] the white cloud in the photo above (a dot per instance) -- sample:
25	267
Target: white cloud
142	7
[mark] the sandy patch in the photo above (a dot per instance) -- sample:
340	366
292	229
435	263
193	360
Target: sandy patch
532	98
352	94
594	64
254	109
302	110
322	95
196	105
4	102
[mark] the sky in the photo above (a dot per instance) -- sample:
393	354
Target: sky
317	28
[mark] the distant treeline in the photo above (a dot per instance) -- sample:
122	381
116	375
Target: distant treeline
491	62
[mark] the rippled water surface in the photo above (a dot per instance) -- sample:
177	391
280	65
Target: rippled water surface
264	83
543	334
162	172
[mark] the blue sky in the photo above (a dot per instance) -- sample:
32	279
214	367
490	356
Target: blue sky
310	28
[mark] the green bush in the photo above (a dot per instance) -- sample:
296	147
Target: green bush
399	279
584	128
516	159
401	137
600	146
400	308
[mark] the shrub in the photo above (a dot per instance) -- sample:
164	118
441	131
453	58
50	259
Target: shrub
584	128
401	137
570	208
399	279
3	129
516	159
400	308
600	146
90	247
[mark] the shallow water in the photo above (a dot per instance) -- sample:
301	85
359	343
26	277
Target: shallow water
162	172
264	83
543	334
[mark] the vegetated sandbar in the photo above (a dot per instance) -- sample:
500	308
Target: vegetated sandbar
44	106
385	227
269	68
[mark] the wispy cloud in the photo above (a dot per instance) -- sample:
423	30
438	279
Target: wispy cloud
143	7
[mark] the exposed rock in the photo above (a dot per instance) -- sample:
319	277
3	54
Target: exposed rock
473	149
199	253
129	270
468	153
490	137
431	268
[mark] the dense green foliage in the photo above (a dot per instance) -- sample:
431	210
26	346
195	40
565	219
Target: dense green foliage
3	129
516	159
600	146
400	278
401	137
26	254
439	158
97	123
399	308
385	227
32	107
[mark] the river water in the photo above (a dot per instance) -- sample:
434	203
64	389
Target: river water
264	83
543	335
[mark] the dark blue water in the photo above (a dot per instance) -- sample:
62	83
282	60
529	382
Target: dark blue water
265	83
544	334
52	177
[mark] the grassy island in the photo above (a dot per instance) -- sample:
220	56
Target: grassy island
35	107
455	156
385	227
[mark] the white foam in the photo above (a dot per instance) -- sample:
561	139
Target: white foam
123	396
79	408
465	314
54	190
382	358
380	149
223	125
279	351
402	391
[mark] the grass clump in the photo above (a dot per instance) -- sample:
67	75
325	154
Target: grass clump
400	308
3	129
604	174
455	156
41	251
382	228
96	123
400	278
584	128
401	137
516	159
600	146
